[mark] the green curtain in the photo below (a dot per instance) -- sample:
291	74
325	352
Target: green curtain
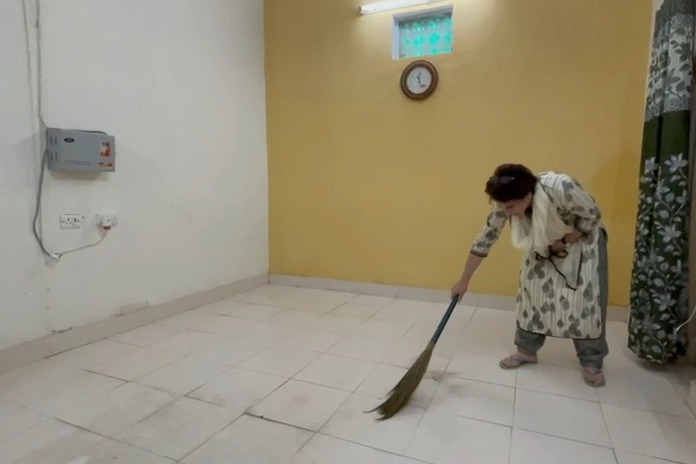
659	281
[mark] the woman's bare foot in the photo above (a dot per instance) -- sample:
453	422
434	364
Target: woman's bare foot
516	360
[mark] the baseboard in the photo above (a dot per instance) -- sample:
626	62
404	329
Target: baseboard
365	288
617	313
614	313
38	349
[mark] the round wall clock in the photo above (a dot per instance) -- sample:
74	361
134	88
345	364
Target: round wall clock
419	79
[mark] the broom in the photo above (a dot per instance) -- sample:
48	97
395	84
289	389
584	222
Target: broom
402	391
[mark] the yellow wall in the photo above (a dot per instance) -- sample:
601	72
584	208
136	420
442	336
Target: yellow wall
367	185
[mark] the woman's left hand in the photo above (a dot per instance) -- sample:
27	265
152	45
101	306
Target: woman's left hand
568	239
558	246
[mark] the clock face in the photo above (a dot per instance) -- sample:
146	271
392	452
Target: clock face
419	79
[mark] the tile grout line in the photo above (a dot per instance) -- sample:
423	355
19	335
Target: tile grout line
373	448
616	457
115	439
574	440
213	435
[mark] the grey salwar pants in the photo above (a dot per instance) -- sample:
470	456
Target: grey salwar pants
590	352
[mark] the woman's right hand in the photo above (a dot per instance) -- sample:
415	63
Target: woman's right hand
460	288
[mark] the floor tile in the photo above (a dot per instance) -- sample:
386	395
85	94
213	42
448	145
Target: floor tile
291	319
238	389
475	400
113	452
681	376
194	319
336	372
384	330
482	367
383	378
184	375
352	423
321	294
301	404
371	300
179	428
46	386
336	322
283	360
262	295
361	347
422	331
558	351
569	418
210	323
488	332
50	442
498	323
223	307
326	449
535	448
94	353
146	335
453	439
630	458
254	312
233	351
266	334
135	364
404	354
403	310
556	380
248	440
652	434
636	388
313	339
16	419
320	301
111	412
360	311
187	342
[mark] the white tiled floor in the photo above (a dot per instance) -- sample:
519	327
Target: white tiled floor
284	375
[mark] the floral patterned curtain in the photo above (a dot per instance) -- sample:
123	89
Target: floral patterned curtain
659	283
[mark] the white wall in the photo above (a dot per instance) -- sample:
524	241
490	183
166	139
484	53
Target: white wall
180	83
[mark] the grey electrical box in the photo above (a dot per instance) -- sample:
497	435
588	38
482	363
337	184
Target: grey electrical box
78	150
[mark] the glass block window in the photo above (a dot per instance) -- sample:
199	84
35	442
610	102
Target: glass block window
425	34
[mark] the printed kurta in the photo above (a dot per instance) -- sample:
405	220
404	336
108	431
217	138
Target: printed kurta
546	303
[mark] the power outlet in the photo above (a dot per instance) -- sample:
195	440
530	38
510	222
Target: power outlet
71	221
106	220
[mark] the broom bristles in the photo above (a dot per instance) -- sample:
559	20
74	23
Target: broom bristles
402	391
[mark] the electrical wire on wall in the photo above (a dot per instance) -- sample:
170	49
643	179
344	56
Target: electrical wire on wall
36	107
35	94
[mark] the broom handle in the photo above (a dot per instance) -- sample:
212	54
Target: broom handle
445	318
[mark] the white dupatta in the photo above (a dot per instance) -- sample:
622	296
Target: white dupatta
544	229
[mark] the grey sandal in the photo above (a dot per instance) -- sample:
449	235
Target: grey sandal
514	361
593	377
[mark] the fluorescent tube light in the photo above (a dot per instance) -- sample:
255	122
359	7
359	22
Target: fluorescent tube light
393	5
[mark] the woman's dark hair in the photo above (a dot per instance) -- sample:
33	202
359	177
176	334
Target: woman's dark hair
511	182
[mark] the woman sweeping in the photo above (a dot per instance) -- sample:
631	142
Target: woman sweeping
563	281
